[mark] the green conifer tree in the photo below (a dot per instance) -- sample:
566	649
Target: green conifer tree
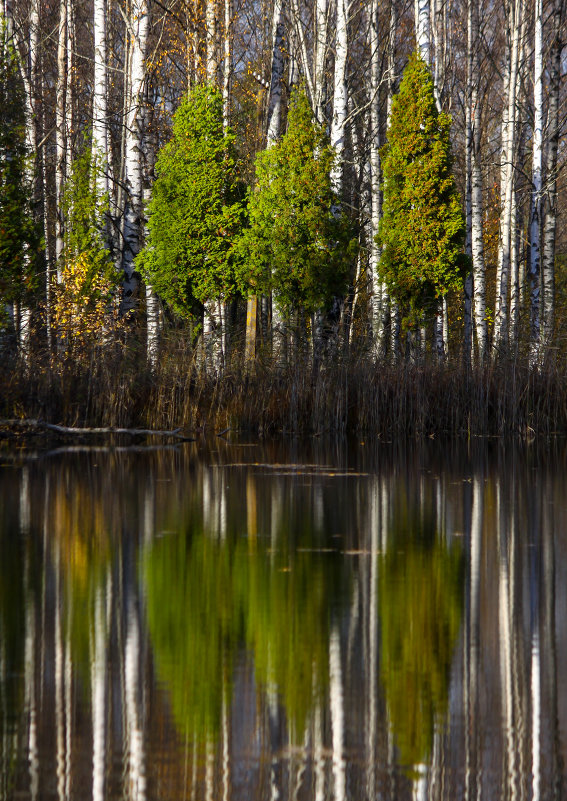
20	242
295	246
195	211
422	230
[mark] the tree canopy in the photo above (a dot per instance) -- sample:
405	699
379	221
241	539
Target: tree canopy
196	209
295	245
422	230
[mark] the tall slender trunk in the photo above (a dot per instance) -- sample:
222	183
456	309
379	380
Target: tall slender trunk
137	33
212	65
537	170
474	182
501	317
380	306
61	138
227	62
321	45
340	96
276	81
100	113
423	29
550	223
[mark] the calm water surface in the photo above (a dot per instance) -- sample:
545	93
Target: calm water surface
290	621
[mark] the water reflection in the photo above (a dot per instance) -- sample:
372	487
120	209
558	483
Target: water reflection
266	623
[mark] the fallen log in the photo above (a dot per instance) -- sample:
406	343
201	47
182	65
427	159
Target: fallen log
74	431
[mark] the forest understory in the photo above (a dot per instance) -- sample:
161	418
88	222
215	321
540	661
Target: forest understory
340	395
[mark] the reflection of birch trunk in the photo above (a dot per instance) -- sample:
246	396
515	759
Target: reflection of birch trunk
419	783
501	318
210	770
225	741
372	669
30	696
134	732
318	755
59	684
548	632
98	685
471	642
536	713
505	641
337	714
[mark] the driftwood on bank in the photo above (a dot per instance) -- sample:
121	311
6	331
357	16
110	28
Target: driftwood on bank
73	431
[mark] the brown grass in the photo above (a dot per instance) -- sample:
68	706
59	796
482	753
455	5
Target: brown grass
114	388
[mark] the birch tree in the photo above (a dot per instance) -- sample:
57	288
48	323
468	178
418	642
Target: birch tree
507	170
340	95
553	131
100	94
474	208
537	168
379	307
137	33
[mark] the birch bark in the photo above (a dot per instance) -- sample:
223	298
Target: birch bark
340	95
138	28
276	81
550	223
60	136
100	113
537	170
501	321
380	305
321	45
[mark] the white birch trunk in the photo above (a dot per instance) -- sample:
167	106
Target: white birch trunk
275	99
423	29
550	223
501	317
100	113
537	171
477	241
340	96
516	279
212	65
138	28
379	293
276	80
321	44
227	62
60	136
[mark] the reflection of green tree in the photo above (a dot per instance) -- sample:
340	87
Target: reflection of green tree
195	623
205	598
287	603
420	613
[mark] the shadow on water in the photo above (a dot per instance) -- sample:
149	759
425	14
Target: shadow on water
316	620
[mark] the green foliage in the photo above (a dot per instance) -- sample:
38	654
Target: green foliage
20	243
295	245
85	213
420	606
207	598
195	211
422	229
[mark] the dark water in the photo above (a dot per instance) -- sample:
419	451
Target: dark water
287	621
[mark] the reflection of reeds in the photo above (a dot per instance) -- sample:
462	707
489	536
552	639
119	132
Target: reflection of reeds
114	388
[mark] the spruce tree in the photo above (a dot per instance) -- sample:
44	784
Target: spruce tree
295	246
195	211
422	230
